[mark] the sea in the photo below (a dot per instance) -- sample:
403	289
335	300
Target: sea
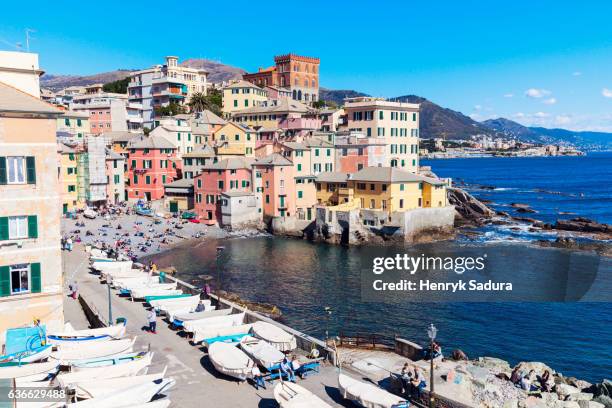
303	278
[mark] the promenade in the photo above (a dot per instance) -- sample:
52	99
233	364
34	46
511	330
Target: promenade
198	383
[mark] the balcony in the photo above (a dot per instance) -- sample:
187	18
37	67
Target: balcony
135	119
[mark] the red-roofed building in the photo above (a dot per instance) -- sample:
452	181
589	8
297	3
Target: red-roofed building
152	163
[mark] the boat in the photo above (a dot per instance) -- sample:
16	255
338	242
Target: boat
31	371
129	396
171	311
71	352
368	395
211	335
109	267
159	403
261	352
101	334
230	360
134	367
89	213
142	293
179	319
99	387
133	281
291	395
173	304
274	335
117	360
145	212
144	286
151	298
216	321
28	356
175	300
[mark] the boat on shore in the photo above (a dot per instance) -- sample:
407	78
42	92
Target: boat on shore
153	298
75	351
214	322
162	289
101	334
291	395
130	368
185	299
181	318
368	395
99	387
128	397
103	362
29	371
261	352
275	336
111	267
28	356
230	360
231	334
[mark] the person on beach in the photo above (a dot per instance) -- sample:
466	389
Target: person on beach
287	370
546	383
152	319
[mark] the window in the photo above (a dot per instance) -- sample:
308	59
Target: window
164	178
235	103
147	179
299	167
114	164
199	183
316	152
372	203
18	227
267	199
79	122
116	179
15	170
71	188
220	184
133	164
67	122
372	187
401	203
384	187
300	194
380	115
20	278
401	187
135	179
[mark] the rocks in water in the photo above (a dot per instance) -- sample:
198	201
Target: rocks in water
603	400
602	388
503	214
520	205
468	207
526	210
581	224
525	219
565	390
496	365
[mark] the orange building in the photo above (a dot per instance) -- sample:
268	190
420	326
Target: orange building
278	185
297	73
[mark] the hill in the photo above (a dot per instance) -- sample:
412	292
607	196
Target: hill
57	82
337	95
217	72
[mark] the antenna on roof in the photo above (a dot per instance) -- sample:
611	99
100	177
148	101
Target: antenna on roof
27	33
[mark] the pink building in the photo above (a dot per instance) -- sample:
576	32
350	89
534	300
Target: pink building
278	185
227	176
151	164
356	151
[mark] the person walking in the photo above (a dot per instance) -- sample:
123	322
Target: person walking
152	319
69	244
75	290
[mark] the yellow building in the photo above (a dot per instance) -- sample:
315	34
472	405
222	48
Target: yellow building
73	126
30	255
381	188
68	178
273	114
233	140
242	95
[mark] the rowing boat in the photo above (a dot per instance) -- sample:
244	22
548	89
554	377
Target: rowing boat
33	371
205	334
261	352
214	322
99	387
135	367
170	302
28	356
101	334
368	395
290	395
128	397
230	360
153	298
71	352
274	335
111	267
103	362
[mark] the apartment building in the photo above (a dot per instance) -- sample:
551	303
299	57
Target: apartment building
194	162
273	115
235	139
68	177
277	185
177	131
151	164
30	209
161	85
107	112
354	151
322	155
305	192
396	123
115	177
73	126
242	95
21	70
299	74
203	125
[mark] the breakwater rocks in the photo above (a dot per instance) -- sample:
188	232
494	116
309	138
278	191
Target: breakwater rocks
469	209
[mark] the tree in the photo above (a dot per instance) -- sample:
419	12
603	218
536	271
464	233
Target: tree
119	86
169	110
324	104
213	102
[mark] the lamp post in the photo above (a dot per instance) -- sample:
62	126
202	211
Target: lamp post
431	332
220	249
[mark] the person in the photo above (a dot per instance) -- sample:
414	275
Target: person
526	383
74	288
152	318
287	369
406	376
417	383
295	366
546	382
515	377
69	244
437	349
258	378
63	242
207	290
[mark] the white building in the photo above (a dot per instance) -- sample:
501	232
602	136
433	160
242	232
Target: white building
21	71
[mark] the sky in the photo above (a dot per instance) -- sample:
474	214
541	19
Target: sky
540	63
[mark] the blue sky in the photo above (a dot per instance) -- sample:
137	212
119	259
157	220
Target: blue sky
545	63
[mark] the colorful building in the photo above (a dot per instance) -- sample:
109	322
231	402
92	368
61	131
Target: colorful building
322	155
73	126
30	210
177	131
151	165
305	192
242	95
194	162
234	139
203	125
396	123
68	168
297	73
273	114
115	177
108	112
228	175
354	151
277	185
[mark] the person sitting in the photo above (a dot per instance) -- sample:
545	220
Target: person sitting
406	376
258	379
546	383
526	384
287	369
515	377
417	384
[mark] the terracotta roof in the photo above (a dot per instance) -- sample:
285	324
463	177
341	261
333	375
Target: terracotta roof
16	101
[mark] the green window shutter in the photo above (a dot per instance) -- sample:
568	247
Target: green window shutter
4	229
31	169
5	281
2	170
35	284
32	226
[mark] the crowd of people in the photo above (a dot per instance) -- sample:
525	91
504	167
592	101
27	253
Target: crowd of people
531	382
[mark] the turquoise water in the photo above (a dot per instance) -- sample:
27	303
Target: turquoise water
302	278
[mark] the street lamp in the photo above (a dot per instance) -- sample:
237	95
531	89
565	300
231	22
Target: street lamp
431	332
220	249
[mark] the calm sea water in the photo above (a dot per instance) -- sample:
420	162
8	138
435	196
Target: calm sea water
302	278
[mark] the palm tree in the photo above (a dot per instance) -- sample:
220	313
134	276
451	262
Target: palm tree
198	102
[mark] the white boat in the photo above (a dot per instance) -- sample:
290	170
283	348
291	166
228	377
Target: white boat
143	292
368	395
81	350
161	303
227	334
291	395
230	360
274	335
153	284
110	361
28	356
134	281
116	331
261	352
89	213
99	387
180	318
128	397
29	371
110	267
135	367
216	321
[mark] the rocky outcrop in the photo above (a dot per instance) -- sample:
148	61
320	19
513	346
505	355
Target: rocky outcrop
581	224
468	208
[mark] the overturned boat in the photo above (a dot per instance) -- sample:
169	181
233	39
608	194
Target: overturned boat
277	337
99	387
211	335
291	395
261	352
70	352
129	368
368	395
28	371
216	321
230	360
128	396
180	318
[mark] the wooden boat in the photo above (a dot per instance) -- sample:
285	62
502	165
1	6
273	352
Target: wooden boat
28	356
128	397
261	352
145	212
134	281
205	334
135	367
214	322
176	300
101	334
274	335
70	352
368	395
110	267
230	360
99	387
151	298
180	318
291	395
31	371
163	289
116	360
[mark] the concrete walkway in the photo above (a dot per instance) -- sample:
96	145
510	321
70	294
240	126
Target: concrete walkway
198	383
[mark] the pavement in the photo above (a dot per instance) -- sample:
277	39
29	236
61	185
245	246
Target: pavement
198	383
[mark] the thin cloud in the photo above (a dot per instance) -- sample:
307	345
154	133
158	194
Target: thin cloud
576	73
550	101
536	93
508	95
607	93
